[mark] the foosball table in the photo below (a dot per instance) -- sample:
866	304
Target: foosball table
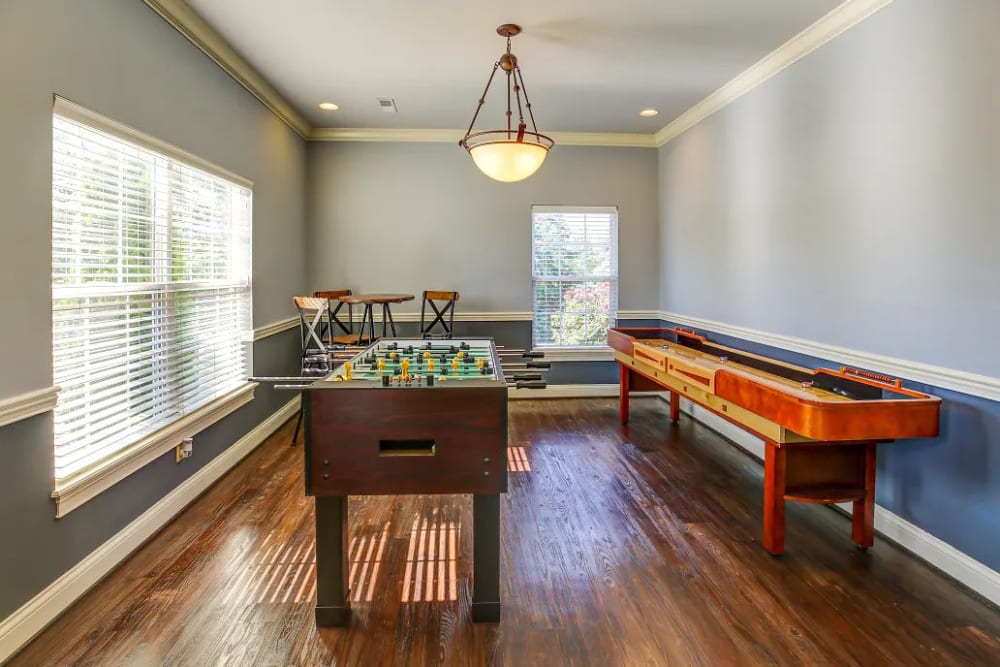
820	427
411	416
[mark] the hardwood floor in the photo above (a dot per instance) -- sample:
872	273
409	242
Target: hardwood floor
621	547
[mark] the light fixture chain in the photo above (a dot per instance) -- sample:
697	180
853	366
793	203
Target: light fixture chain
527	102
482	101
508	103
517	94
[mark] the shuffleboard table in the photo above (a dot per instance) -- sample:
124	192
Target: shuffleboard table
820	427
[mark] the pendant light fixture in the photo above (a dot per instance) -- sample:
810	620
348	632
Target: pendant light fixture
515	153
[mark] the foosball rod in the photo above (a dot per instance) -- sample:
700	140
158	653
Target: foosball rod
286	380
538	365
527	384
526	354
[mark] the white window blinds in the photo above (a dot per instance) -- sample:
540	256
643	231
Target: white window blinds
574	263
150	291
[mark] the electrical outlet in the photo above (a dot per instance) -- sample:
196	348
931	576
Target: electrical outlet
184	450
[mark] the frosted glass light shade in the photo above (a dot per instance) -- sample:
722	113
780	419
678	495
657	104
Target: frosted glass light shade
508	161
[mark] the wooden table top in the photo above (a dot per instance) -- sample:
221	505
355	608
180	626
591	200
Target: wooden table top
377	298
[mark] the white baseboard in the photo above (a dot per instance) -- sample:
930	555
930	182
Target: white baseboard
956	564
21	626
959	566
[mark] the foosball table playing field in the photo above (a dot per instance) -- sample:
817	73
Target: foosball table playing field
411	416
820	427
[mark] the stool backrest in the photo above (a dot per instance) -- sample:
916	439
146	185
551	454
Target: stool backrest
443	314
312	313
333	306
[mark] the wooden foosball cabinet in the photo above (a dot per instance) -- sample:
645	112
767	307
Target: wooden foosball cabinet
407	417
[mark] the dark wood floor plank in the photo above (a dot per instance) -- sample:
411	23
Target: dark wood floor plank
621	546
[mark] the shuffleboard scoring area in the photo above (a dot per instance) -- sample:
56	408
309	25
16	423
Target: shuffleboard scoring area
410	416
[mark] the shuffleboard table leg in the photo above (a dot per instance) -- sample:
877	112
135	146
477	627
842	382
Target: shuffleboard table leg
863	517
486	558
675	407
774	497
332	602
623	382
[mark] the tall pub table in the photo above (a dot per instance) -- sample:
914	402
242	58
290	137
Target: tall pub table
368	318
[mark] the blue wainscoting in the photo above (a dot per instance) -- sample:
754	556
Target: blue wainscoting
950	485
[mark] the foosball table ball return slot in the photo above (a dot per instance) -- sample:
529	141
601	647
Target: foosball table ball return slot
406	447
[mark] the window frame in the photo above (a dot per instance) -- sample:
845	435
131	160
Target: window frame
598	352
80	486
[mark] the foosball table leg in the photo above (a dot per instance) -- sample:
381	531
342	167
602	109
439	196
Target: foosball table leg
332	602
675	407
486	558
774	497
623	383
863	516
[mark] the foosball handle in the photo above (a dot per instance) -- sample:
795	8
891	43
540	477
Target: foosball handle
537	364
527	377
530	384
533	355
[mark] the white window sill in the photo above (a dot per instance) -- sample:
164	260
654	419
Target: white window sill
596	353
74	491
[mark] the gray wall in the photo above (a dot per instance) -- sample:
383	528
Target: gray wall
117	57
404	217
853	199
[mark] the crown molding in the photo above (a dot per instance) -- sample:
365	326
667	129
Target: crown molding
618	139
840	19
184	19
846	15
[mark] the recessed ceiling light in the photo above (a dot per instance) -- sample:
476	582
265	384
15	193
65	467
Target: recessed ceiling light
328	106
648	113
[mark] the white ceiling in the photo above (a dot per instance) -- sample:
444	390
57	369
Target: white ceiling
588	65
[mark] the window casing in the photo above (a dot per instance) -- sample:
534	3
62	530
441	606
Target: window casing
574	259
151	289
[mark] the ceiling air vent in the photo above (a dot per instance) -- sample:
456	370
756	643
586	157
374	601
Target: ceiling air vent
387	104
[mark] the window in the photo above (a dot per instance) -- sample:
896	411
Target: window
574	263
150	289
